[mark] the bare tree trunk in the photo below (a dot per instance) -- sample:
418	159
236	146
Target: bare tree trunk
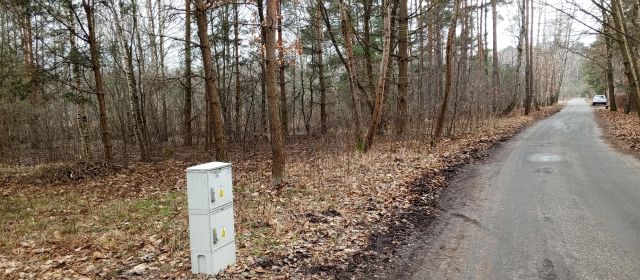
211	90
94	49
307	125
236	42
275	124
355	95
222	62
319	64
263	101
305	120
481	55
82	119
531	64
516	93
126	54
403	62
563	63
630	68
142	74
386	53
31	65
608	45
294	93
151	35
186	130
229	105
390	69
421	81
163	76
448	77
150	88
496	66
281	65
437	58
366	46
632	45
527	71
140	88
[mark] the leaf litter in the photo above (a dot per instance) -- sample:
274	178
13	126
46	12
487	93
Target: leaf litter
329	220
623	129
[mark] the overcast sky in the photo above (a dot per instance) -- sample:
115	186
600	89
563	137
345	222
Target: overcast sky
545	11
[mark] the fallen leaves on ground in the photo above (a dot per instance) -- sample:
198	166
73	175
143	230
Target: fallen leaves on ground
131	222
623	128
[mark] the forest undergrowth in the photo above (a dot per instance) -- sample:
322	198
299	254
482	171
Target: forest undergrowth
88	221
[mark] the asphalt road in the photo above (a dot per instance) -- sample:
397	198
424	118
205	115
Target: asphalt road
555	202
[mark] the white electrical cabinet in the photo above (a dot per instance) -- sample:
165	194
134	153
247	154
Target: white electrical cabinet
211	232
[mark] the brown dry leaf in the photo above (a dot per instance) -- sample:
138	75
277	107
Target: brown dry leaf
98	255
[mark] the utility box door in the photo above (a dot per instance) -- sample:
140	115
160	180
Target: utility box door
199	232
197	193
222	226
209	185
220	187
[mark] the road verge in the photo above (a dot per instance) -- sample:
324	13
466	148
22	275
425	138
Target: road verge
425	190
621	130
339	213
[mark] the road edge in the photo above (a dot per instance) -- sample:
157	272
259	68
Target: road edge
425	209
613	142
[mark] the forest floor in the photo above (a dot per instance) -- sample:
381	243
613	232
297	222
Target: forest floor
622	130
336	210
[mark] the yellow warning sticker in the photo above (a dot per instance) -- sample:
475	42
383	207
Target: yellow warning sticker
220	192
223	232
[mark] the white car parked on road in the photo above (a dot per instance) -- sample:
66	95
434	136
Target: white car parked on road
599	99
